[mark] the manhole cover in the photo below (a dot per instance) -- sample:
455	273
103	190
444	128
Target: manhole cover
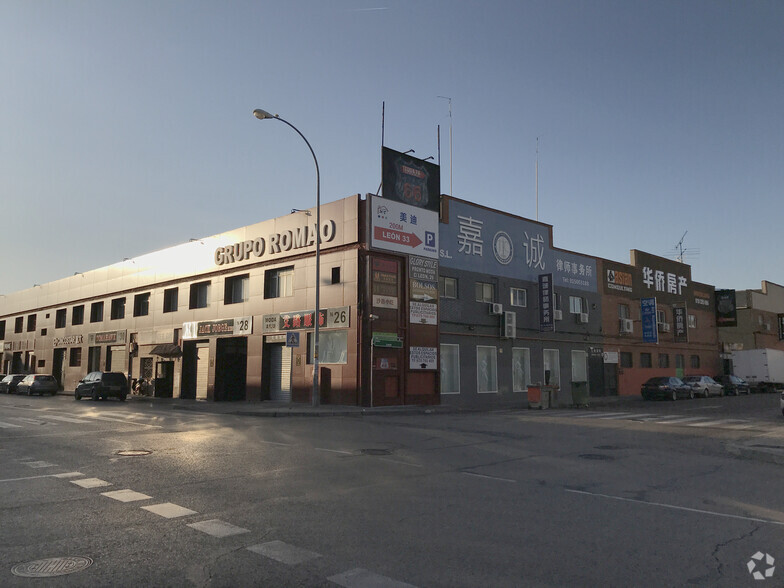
375	451
596	456
54	566
134	452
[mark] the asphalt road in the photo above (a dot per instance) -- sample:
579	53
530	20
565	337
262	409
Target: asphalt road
639	494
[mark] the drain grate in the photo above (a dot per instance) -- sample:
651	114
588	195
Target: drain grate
375	451
54	566
134	452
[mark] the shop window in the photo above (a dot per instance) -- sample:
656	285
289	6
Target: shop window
170	296
141	304
31	320
18	324
664	360
695	361
679	361
77	315
118	309
450	369
60	318
336	275
447	287
96	312
518	297
236	289
645	360
333	347
521	369
2	330
485	292
199	295
486	369
627	360
552	367
75	359
279	283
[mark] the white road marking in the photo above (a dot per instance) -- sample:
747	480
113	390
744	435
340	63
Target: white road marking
333	451
91	483
125	495
66	419
360	578
40	464
283	552
626	416
593	415
679	420
674	507
169	510
27	478
489	477
713	423
124	421
67	475
9	426
30	421
218	528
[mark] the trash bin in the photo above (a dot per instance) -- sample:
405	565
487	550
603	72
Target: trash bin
539	396
580	393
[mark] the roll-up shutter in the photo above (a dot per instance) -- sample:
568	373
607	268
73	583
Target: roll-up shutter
280	378
119	358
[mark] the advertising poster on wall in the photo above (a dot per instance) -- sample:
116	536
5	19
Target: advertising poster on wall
546	317
410	180
680	325
726	310
403	228
650	333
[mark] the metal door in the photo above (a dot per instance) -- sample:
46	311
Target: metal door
280	373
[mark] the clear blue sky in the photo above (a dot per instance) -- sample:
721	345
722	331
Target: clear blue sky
127	126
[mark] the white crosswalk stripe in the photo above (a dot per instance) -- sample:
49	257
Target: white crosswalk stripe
674	420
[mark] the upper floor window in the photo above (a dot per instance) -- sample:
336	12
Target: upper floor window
60	318
692	321
236	289
118	309
518	297
2	330
170	296
661	316
18	324
77	315
578	305
447	287
141	304
624	311
279	283
199	295
485	292
31	319
96	312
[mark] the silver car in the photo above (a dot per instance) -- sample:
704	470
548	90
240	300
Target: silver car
704	386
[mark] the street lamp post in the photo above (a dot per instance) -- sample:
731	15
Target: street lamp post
261	115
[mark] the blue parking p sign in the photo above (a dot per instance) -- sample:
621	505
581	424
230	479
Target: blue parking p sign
292	339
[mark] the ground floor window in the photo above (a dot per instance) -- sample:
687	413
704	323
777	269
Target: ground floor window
333	347
486	369
645	360
552	367
521	369
579	366
450	369
695	361
626	359
75	358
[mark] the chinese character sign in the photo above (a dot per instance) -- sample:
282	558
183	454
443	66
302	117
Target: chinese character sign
546	316
680	326
650	333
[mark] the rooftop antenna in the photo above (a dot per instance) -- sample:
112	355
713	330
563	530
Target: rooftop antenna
537	178
450	142
681	252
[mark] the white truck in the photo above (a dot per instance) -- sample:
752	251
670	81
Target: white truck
763	369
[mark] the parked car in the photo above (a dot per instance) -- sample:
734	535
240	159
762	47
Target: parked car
704	386
733	385
10	382
38	384
781	402
666	387
102	385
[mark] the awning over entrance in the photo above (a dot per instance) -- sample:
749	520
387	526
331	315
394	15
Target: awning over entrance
167	350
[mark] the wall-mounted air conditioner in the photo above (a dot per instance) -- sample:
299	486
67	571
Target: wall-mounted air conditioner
558	315
582	318
496	308
626	325
664	327
509	327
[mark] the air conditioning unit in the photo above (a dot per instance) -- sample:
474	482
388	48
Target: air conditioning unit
496	308
626	325
582	318
664	327
558	315
509	327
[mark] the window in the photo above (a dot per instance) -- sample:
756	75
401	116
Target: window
141	304
199	295
43	332
447	287
519	297
170	299
521	369
59	319
679	363
41	364
624	312
96	312
450	369
661	316
118	309
695	361
664	360
75	359
279	283
627	360
486	375
236	289
18	324
577	305
333	347
2	330
645	360
485	292
336	275
77	315
579	366
692	321
552	367
31	319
